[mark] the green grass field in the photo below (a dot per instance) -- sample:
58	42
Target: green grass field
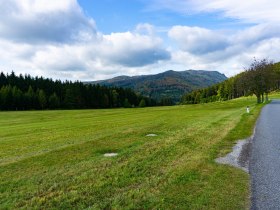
274	95
54	159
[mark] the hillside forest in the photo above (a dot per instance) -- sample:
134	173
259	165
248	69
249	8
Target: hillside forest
28	93
166	87
260	78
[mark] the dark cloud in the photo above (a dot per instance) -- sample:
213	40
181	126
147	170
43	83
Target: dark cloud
140	58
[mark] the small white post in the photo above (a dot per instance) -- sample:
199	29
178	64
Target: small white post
248	109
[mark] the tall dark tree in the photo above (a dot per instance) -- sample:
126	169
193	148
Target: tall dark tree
260	78
42	99
142	103
54	101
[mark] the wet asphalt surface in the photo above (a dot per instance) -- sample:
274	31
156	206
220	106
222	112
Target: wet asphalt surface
264	164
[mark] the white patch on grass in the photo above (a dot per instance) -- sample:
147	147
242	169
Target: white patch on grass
110	154
152	134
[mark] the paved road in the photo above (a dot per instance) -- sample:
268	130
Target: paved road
265	159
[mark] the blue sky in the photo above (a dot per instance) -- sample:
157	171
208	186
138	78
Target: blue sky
123	15
93	39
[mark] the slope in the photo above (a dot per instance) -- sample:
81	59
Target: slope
170	84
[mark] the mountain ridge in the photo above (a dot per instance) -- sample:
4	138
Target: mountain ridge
169	84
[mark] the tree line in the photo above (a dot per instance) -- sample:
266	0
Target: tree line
34	93
260	78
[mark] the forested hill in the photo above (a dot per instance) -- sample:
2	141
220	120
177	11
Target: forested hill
27	93
169	85
260	78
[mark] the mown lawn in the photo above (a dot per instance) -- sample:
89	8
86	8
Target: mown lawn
54	159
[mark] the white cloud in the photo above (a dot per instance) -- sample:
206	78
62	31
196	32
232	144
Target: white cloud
43	21
105	56
60	58
198	40
253	11
218	50
132	49
257	33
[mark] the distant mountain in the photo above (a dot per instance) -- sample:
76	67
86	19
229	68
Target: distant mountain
170	84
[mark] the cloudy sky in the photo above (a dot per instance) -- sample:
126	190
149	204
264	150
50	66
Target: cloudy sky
94	39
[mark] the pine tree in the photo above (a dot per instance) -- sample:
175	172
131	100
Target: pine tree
54	102
142	103
42	99
126	104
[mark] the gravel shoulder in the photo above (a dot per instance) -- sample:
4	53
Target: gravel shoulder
240	155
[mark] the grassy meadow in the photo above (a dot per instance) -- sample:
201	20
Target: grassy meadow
55	159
